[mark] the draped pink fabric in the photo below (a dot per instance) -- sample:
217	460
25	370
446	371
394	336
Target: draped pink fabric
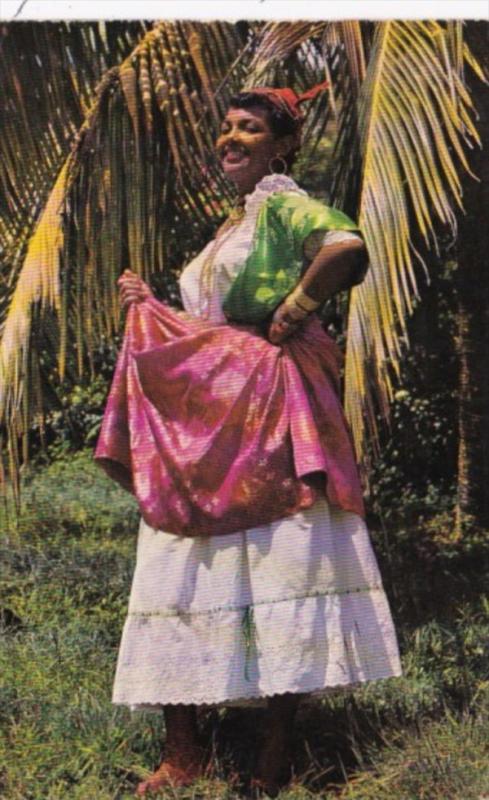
215	430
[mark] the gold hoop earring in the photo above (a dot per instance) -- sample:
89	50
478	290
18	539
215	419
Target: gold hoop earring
283	165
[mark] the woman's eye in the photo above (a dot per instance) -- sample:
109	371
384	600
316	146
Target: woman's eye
248	127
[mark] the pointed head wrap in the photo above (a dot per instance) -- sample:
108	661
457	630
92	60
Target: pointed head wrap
287	100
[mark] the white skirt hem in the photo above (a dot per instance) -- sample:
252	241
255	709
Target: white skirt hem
258	701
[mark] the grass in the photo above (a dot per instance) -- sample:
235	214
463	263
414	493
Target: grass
66	566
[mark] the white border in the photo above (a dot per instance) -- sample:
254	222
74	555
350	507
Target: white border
238	9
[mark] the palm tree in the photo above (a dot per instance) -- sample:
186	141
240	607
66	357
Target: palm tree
141	186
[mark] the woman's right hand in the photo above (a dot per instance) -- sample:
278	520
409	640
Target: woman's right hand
132	288
282	325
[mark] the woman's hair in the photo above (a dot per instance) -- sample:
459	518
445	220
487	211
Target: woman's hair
281	123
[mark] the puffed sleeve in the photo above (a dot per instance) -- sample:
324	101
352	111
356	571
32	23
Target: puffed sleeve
310	222
314	225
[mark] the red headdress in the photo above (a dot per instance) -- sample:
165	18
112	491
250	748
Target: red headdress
287	100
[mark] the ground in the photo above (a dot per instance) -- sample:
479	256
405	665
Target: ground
66	569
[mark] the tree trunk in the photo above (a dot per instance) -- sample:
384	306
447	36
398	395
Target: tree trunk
472	281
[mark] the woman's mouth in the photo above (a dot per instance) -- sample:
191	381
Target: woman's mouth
233	155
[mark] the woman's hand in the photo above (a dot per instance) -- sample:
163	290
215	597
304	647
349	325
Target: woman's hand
132	289
282	325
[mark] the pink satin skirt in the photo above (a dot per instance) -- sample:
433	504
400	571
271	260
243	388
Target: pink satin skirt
216	430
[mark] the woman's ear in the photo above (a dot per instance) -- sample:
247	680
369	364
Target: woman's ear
285	144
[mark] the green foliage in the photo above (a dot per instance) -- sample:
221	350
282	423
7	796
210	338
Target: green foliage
447	760
71	496
65	577
414	476
75	407
77	420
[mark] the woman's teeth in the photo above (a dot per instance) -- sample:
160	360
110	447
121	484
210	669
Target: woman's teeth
234	153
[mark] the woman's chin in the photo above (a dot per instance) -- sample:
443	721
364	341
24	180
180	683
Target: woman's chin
240	174
236	169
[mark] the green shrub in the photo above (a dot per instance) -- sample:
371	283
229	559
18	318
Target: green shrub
73	495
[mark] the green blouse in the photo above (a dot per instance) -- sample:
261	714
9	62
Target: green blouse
276	261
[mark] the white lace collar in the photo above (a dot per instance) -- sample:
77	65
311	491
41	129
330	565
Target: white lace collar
270	184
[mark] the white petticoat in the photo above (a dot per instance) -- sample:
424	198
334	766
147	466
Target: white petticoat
292	606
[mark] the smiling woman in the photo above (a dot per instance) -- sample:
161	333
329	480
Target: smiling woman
255	578
247	146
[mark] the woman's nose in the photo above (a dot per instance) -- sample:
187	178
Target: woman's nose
230	136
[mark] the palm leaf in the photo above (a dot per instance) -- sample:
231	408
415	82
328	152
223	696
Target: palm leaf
49	73
415	120
38	283
276	42
347	35
141	177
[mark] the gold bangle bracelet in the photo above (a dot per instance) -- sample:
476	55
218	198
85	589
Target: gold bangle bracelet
295	312
301	300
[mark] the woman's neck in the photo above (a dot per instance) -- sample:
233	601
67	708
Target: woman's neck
246	188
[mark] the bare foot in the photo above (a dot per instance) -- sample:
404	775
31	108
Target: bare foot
173	773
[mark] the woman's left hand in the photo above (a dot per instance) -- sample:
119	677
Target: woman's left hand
282	325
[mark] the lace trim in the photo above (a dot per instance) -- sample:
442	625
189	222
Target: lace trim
270	184
174	611
254	698
319	238
333	237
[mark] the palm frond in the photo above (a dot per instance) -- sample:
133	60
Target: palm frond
49	73
276	42
347	34
415	121
38	282
346	43
138	189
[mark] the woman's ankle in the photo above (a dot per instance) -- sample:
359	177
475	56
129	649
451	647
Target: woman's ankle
181	727
274	763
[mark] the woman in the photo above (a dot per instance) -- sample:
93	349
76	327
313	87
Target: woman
293	606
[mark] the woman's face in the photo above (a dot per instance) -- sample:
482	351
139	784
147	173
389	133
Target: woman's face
246	144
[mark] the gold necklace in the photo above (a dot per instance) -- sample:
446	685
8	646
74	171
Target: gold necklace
236	214
207	273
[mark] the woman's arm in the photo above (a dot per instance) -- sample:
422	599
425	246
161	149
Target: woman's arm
335	267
